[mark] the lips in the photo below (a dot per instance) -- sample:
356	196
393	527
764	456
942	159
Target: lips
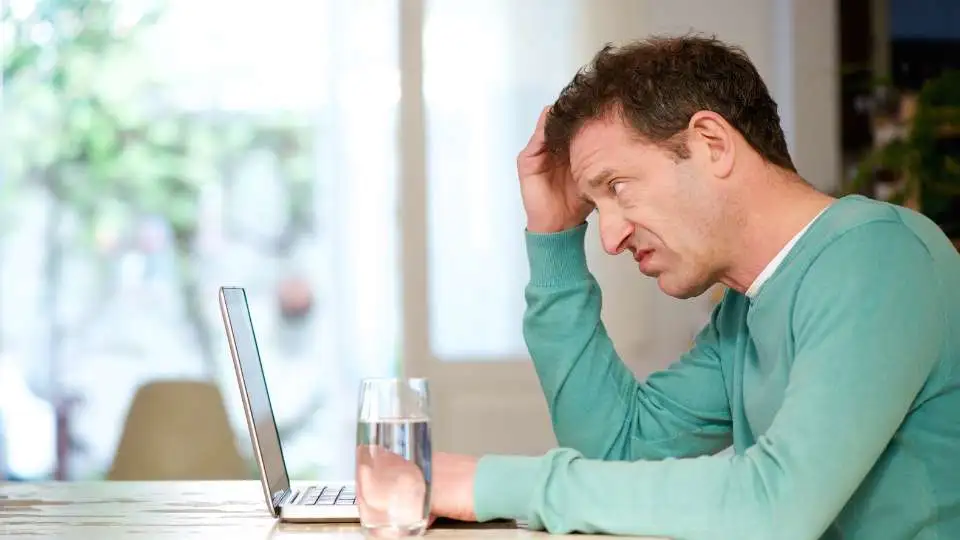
644	258
640	255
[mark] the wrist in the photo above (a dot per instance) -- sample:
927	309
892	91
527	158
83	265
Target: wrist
504	486
454	479
552	226
557	259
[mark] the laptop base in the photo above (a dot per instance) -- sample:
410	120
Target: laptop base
319	514
329	503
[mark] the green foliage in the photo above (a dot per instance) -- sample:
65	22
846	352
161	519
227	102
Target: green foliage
89	120
937	121
85	118
921	157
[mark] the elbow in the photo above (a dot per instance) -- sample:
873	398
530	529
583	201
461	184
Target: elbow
783	531
770	507
781	518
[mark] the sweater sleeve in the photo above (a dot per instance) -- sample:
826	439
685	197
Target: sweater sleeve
867	334
596	404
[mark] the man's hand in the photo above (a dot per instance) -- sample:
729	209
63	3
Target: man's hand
453	481
389	487
550	196
389	484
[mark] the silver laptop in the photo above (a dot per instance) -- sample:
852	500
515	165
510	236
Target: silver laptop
325	502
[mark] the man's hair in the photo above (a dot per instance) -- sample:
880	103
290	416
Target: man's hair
657	84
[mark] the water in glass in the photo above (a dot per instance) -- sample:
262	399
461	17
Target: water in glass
393	457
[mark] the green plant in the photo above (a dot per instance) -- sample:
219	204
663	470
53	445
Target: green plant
90	124
923	164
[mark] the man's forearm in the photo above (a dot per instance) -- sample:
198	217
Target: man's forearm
596	404
587	387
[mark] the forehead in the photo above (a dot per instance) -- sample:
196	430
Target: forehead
602	144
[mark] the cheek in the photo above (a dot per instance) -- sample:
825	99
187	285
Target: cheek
672	237
648	227
667	219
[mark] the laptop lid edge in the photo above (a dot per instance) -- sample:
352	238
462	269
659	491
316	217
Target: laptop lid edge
273	500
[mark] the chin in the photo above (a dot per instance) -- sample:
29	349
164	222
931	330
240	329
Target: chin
680	289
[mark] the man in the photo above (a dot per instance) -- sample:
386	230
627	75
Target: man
832	364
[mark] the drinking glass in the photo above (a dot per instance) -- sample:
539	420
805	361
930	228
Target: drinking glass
393	457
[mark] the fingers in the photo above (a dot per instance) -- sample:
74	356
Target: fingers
542	119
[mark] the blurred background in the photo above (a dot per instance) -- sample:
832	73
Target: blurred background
351	163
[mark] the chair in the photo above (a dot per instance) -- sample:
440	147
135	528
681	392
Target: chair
178	430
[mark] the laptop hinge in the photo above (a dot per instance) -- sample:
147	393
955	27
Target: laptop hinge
282	496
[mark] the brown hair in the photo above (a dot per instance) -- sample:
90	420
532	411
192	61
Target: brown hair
657	84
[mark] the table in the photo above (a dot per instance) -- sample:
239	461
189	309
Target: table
230	509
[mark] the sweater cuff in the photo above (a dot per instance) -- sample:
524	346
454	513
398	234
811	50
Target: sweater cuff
557	258
504	487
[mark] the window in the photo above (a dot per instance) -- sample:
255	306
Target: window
281	178
256	143
489	68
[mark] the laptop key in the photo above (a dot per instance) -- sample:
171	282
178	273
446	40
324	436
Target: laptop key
327	499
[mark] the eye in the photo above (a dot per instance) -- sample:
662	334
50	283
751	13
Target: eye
619	190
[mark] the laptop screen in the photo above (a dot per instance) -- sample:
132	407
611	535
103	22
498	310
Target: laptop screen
248	356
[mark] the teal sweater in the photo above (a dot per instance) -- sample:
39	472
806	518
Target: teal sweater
838	386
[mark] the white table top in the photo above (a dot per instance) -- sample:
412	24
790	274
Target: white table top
233	509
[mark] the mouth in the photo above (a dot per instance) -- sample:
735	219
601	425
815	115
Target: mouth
640	255
644	257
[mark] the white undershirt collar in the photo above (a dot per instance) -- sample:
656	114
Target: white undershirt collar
775	262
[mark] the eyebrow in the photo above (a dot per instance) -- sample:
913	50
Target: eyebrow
600	179
595	182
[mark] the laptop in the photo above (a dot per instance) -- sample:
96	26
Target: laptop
333	502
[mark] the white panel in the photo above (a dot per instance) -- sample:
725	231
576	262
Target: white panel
485	80
816	51
489	68
517	424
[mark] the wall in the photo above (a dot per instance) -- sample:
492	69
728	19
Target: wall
794	45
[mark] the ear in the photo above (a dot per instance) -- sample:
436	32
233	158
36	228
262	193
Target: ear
714	137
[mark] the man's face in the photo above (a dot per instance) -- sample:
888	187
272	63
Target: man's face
663	211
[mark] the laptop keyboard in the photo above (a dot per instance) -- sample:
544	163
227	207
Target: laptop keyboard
328	496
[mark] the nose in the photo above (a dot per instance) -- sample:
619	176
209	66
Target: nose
614	232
